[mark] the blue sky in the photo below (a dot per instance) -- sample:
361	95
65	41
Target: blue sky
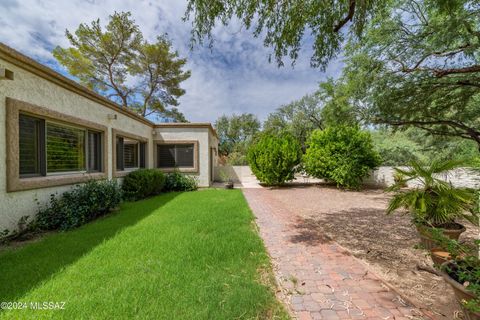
232	77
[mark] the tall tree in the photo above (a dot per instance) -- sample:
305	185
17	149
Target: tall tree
120	64
328	106
236	132
285	24
419	65
299	118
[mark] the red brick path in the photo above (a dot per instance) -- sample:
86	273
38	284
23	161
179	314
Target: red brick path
321	281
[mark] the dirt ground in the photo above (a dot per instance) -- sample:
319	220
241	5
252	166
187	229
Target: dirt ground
357	221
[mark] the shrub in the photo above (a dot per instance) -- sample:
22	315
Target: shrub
143	183
273	159
344	155
78	206
175	181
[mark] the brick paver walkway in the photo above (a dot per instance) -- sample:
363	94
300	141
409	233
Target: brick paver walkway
321	281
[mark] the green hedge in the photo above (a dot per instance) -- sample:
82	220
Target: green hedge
344	155
80	205
175	181
143	183
273	159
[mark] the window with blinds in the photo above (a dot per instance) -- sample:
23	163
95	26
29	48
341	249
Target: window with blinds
94	151
47	147
29	145
130	154
65	148
175	155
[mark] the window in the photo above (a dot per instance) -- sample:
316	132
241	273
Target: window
175	155
65	148
48	147
94	151
130	154
29	145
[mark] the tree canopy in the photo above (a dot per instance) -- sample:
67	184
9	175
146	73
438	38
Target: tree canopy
286	24
418	65
119	63
235	132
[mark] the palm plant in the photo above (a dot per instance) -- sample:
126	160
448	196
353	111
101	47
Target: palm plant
434	202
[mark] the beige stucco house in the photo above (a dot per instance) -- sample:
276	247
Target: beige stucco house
55	133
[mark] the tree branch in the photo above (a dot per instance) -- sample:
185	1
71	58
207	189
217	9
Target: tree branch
349	17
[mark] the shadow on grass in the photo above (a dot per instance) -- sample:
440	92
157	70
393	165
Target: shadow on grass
26	267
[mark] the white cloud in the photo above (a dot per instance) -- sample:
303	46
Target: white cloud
234	77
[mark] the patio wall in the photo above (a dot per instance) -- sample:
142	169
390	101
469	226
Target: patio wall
380	178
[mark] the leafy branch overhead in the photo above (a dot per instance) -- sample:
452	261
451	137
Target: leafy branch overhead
285	24
418	65
120	64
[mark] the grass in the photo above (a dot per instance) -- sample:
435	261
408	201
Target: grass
192	255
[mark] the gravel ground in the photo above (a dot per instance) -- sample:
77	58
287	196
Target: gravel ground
357	221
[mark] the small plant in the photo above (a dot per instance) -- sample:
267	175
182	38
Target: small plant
78	206
344	155
176	181
226	178
273	159
399	179
435	202
4	236
464	268
143	183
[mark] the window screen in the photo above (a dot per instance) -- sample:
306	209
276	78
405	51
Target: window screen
94	151
65	148
119	154
29	145
166	156
175	155
184	155
130	154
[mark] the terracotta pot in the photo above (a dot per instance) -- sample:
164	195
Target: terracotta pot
461	294
439	256
429	243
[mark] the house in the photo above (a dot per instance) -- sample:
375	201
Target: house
55	133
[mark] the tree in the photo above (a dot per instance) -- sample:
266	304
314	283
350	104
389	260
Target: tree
286	24
236	132
419	66
342	154
274	159
299	118
118	63
328	106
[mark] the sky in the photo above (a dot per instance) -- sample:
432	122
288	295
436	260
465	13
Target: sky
233	77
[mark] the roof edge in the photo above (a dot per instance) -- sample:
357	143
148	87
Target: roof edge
207	125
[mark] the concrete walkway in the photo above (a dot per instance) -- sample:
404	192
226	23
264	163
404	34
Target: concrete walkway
322	281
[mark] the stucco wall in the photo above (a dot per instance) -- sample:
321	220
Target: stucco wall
380	178
30	88
202	135
461	178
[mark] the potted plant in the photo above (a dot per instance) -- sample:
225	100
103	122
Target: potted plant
433	203
227	180
462	273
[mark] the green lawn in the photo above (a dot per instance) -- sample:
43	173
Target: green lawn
193	255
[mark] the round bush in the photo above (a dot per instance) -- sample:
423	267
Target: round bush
273	159
143	183
344	155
